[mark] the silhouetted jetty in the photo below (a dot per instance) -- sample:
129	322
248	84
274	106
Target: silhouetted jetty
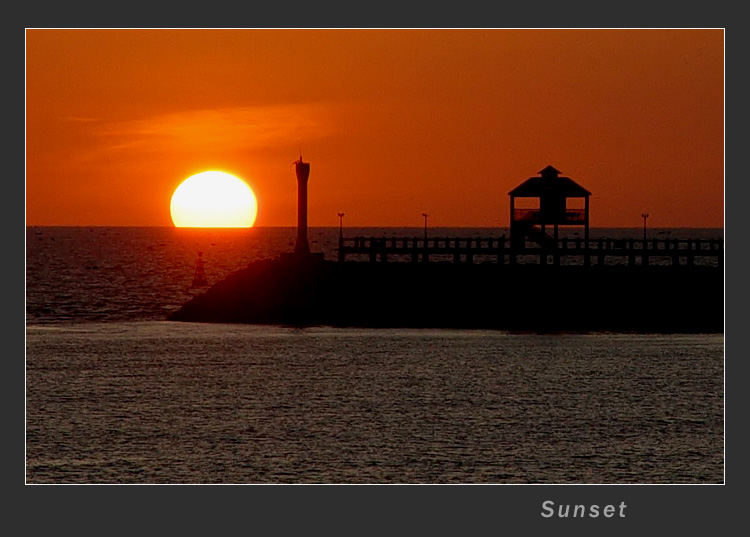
533	281
312	291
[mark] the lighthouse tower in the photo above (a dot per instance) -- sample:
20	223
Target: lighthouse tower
303	172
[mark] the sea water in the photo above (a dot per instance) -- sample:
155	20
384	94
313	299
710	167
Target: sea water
116	394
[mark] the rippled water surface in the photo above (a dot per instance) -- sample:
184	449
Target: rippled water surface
173	402
115	394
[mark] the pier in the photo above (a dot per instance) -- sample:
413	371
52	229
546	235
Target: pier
631	252
539	278
551	202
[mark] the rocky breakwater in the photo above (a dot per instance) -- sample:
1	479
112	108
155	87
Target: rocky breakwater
306	290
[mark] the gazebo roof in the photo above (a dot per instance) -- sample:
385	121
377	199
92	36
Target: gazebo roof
549	183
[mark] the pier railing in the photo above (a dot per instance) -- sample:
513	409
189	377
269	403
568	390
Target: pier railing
573	251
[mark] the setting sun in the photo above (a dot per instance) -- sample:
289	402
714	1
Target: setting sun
213	199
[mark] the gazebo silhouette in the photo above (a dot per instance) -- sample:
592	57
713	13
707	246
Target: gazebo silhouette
552	210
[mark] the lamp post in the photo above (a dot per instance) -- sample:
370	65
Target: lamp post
644	216
341	226
425	227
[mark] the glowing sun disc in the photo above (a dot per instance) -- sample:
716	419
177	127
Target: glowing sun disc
213	199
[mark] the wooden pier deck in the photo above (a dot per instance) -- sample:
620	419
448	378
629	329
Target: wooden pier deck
602	251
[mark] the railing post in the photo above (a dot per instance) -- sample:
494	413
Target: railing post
556	252
631	254
586	253
383	247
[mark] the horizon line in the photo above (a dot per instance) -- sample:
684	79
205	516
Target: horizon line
337	227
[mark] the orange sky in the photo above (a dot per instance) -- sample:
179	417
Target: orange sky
394	122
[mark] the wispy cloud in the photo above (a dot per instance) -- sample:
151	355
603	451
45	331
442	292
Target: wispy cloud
226	129
77	119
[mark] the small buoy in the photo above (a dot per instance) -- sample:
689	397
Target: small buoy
199	279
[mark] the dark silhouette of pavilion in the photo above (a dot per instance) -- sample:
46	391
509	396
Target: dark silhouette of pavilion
552	193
